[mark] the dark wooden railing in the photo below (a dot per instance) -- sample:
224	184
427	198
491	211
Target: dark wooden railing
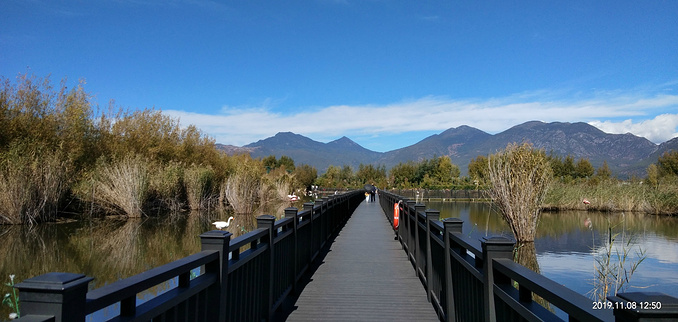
477	280
244	279
441	194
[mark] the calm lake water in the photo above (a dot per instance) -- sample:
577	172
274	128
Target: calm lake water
110	250
566	247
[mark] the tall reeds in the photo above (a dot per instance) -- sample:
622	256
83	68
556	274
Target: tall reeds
520	176
201	185
122	186
615	196
33	182
53	146
613	266
242	191
167	186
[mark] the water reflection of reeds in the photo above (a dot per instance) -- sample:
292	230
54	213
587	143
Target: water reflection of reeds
481	217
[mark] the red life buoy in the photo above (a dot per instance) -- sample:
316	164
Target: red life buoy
396	215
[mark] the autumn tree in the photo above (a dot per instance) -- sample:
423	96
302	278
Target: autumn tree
478	169
653	175
269	162
583	169
603	172
667	163
286	162
331	178
371	174
402	175
305	175
444	172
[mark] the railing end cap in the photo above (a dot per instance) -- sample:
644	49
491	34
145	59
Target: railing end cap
497	240
54	281
216	234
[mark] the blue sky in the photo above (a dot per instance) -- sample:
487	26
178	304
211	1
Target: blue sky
384	73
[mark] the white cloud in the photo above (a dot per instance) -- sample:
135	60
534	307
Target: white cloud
659	129
241	126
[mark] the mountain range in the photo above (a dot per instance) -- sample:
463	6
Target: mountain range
626	154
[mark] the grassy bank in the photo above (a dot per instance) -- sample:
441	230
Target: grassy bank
634	196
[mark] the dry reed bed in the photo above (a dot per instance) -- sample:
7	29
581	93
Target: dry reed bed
614	196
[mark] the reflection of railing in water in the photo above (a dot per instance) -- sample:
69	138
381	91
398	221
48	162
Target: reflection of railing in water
244	279
471	280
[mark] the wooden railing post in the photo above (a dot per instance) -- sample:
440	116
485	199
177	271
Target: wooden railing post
308	207
329	215
293	213
318	225
417	209
268	222
493	247
217	300
431	214
62	295
408	223
450	225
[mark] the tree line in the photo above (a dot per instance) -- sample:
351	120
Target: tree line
62	153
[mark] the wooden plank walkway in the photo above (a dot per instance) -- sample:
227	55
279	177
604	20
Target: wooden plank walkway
365	276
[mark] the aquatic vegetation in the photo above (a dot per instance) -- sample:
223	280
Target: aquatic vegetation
12	300
520	176
201	185
33	182
122	186
613	267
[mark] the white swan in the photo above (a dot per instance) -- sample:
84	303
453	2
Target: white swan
223	224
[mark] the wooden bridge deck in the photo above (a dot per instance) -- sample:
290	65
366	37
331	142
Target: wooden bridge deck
365	276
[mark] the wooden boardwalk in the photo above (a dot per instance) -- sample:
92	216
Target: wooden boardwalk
365	276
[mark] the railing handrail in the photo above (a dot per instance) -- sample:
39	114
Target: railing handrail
296	239
566	299
246	238
492	268
110	294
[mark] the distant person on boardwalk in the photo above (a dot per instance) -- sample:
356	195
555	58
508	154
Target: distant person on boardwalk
373	192
367	197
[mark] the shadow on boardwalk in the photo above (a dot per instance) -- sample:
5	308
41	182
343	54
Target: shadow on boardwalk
361	275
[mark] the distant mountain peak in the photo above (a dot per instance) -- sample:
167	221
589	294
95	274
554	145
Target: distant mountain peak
343	141
287	134
626	154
